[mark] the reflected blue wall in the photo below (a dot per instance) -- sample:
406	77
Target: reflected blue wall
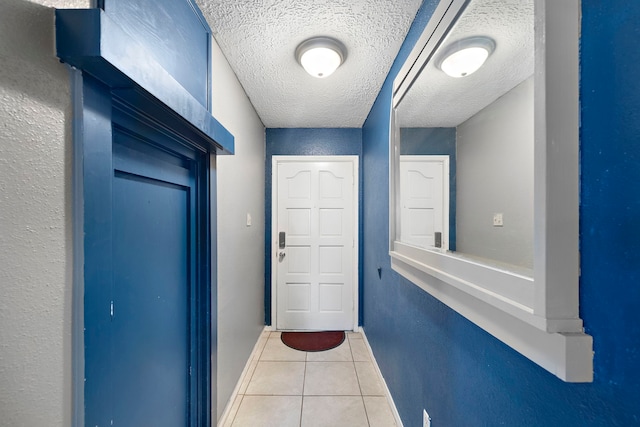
308	142
433	358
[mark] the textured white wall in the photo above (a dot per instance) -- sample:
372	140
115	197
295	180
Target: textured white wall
35	219
240	248
495	175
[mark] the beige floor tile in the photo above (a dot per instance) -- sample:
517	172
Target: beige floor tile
354	335
331	379
334	411
342	353
269	411
277	378
275	349
275	334
247	377
370	384
233	411
359	350
378	412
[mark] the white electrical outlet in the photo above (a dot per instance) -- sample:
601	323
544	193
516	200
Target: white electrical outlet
497	220
426	419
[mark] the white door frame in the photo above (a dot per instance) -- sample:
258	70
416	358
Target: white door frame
275	160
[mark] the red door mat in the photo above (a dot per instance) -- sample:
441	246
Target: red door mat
313	341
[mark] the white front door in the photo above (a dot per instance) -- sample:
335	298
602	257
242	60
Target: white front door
314	243
424	193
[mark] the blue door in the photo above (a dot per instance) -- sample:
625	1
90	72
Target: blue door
153	281
147	268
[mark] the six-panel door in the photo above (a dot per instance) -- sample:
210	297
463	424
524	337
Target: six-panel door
423	209
315	269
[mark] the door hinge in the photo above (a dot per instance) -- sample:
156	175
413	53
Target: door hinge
111	310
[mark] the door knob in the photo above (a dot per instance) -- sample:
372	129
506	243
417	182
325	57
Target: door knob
281	256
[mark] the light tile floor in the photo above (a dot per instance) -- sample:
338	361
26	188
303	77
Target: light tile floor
285	387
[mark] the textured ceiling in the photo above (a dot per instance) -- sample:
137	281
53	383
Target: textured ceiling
437	100
259	38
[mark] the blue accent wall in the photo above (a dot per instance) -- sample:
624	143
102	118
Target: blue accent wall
433	358
307	142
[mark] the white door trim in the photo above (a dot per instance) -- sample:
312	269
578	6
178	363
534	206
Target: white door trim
275	160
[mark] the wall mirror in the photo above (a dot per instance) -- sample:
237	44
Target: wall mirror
484	173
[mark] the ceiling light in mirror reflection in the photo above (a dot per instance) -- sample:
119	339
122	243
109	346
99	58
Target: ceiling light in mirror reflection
510	24
465	57
464	62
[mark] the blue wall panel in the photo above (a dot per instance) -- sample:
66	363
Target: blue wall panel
176	36
95	129
433	358
307	142
93	42
610	205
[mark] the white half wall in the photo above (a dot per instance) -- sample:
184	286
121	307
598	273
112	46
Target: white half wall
495	175
35	218
240	180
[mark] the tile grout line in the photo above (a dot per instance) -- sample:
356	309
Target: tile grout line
304	380
237	409
353	361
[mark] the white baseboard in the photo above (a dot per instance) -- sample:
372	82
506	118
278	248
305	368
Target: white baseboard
255	353
387	393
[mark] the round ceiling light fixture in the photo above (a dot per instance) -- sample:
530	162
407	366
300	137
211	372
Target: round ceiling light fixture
321	56
465	57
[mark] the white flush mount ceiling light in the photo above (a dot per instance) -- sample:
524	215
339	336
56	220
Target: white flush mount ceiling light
321	56
465	57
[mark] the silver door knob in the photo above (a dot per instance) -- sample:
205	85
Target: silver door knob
281	256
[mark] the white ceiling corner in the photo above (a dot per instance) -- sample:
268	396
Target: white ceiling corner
259	38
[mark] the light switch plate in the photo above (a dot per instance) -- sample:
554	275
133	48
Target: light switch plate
248	220
498	220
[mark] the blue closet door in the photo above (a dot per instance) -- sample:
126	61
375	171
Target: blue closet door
154	224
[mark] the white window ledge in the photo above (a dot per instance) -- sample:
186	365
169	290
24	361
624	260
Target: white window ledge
568	355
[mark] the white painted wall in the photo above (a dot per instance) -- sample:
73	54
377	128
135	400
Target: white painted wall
35	218
495	175
240	247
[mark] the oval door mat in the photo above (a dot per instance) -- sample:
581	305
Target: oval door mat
313	341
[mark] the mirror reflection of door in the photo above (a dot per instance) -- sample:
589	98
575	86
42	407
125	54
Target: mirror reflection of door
424	201
483	120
